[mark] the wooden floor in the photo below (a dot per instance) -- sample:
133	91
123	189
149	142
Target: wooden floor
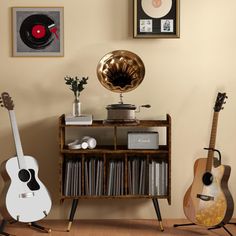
117	227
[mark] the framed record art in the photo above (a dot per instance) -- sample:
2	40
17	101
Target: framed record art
156	18
37	31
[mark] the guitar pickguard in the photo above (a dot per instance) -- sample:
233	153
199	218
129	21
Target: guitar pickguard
33	184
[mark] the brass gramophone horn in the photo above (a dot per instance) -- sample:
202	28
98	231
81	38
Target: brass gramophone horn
120	71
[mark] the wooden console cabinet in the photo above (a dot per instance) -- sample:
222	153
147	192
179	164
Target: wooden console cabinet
131	174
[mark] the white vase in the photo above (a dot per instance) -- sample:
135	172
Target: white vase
76	107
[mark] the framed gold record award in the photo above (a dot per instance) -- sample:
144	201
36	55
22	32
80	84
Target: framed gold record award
156	18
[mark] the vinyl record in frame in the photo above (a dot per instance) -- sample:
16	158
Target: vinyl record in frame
156	18
37	31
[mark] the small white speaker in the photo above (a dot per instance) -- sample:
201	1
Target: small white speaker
143	140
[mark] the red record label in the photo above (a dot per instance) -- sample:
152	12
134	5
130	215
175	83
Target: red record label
38	31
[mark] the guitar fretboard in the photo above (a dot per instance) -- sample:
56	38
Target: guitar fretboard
16	135
212	143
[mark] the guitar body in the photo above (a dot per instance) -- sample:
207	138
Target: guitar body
208	201
24	197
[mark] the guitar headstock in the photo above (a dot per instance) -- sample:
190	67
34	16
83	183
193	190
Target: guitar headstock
6	101
220	100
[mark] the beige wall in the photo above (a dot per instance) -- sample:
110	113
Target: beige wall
182	78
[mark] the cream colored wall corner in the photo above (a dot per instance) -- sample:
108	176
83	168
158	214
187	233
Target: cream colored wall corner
182	79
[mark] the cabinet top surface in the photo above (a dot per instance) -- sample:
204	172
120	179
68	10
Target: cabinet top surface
140	123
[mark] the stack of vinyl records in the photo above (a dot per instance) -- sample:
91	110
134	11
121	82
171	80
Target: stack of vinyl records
93	177
137	176
115	186
158	177
73	178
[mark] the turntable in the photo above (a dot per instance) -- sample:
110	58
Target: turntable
121	71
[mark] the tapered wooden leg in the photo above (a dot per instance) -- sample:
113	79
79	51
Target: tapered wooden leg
72	213
158	212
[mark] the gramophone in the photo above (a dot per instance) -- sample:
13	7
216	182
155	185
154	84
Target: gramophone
121	71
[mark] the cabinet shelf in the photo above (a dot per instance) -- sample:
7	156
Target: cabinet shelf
100	123
163	149
115	197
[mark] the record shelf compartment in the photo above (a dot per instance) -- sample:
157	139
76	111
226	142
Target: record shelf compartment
111	171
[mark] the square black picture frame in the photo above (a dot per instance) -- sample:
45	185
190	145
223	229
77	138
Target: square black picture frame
156	18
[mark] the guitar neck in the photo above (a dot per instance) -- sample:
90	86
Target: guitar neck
16	135
212	143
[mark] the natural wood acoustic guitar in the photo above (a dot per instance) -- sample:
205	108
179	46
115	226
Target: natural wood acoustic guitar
208	201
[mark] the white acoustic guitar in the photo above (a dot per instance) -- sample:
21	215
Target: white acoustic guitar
24	197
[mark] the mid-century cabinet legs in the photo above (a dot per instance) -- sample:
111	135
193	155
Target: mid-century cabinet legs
158	212
75	204
72	213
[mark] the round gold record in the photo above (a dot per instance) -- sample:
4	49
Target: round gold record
120	71
156	8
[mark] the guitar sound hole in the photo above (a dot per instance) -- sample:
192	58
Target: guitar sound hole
207	178
24	175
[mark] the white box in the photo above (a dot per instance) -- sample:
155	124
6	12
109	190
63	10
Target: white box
79	120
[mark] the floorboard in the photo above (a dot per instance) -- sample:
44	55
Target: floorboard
117	228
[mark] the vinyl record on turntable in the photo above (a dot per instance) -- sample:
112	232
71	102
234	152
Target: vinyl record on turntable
156	8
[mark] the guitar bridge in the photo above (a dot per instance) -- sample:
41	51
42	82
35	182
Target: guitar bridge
26	195
205	197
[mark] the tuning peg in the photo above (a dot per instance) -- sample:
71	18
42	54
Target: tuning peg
226	97
222	108
224	102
